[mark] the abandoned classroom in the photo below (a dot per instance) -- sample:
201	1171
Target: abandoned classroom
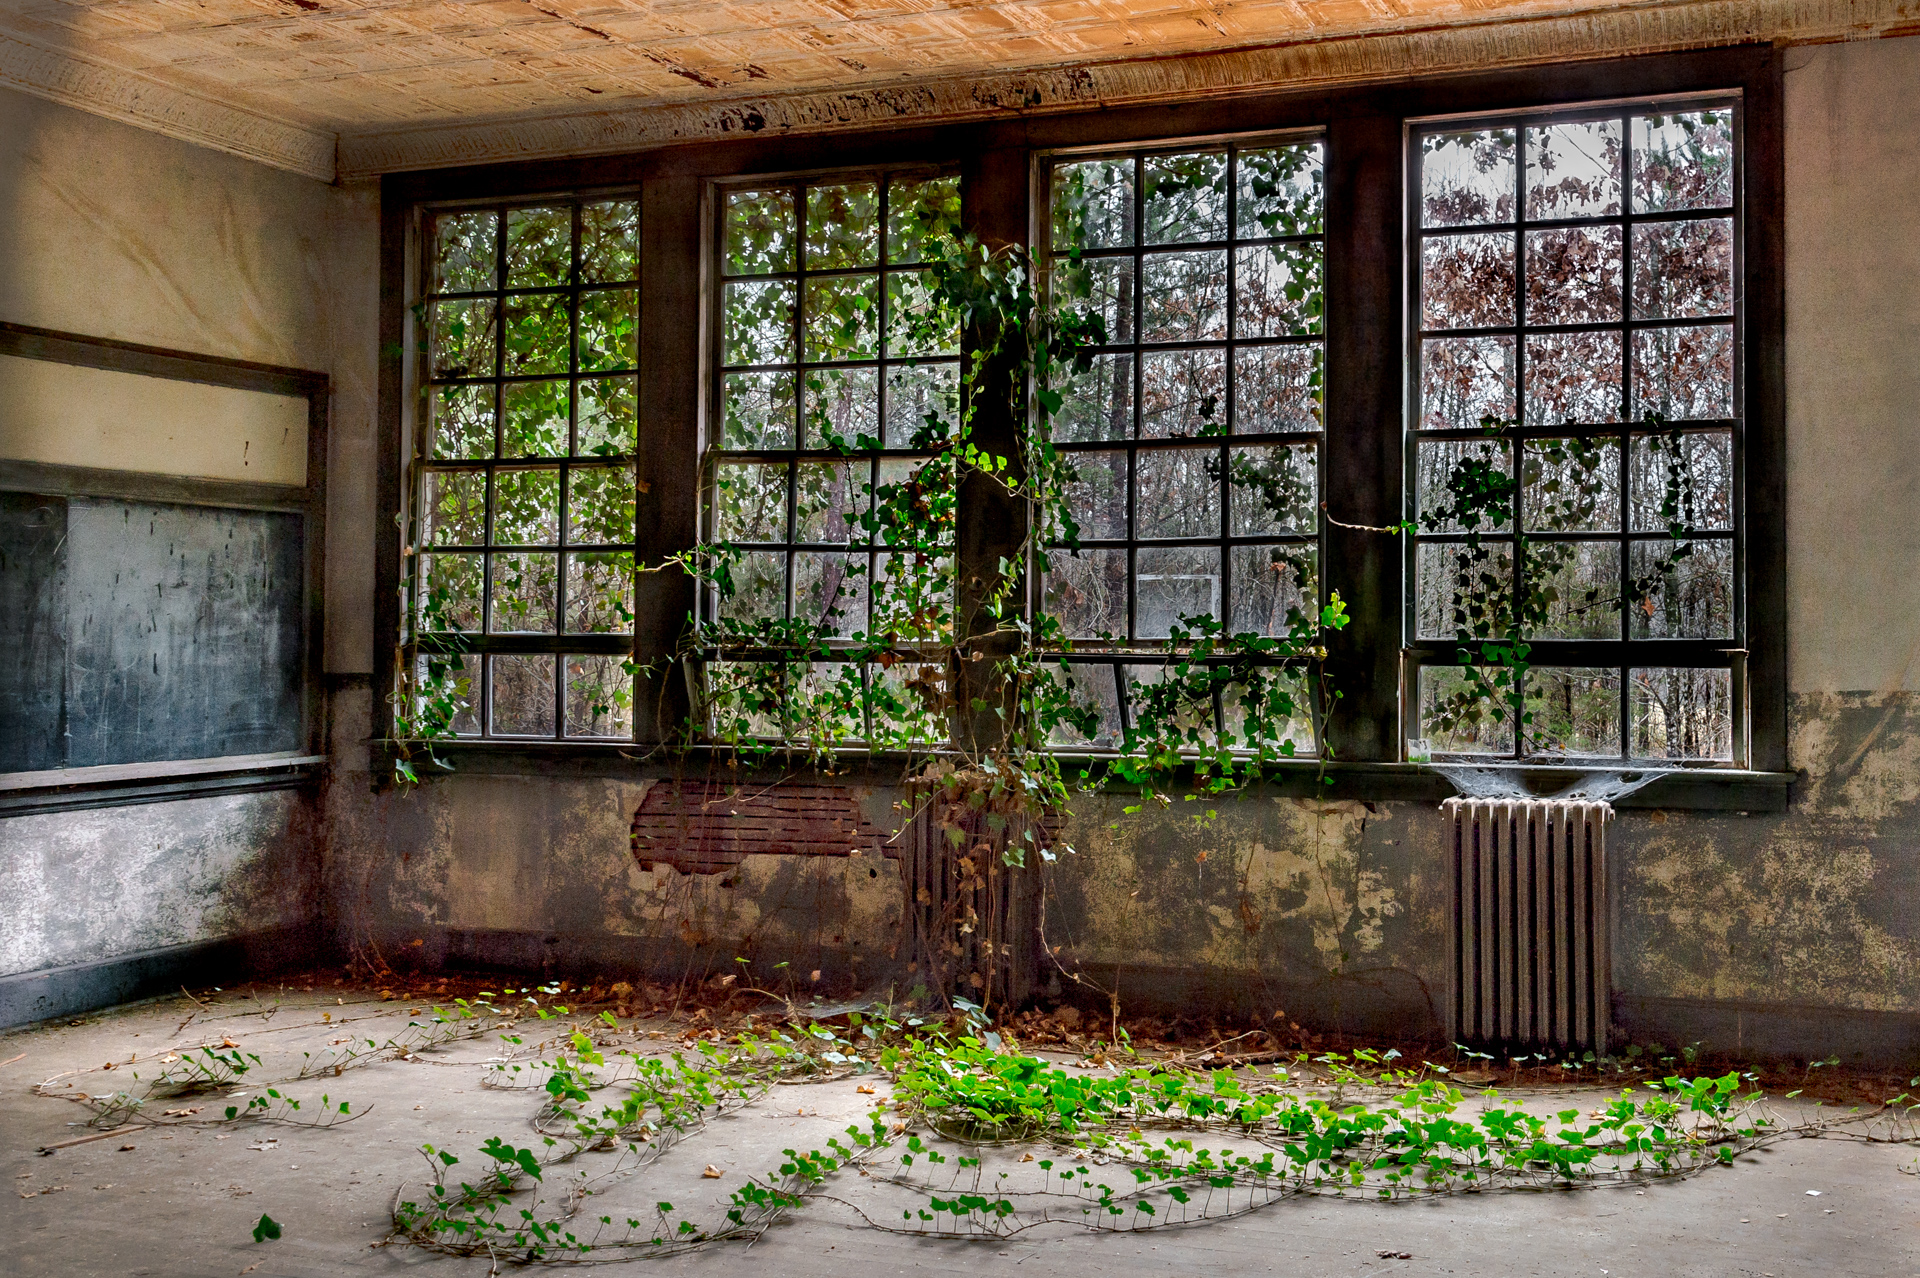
809	634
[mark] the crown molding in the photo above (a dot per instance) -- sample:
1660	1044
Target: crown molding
132	98
1661	26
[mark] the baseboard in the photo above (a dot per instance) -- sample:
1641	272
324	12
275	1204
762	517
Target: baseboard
1751	1031
56	992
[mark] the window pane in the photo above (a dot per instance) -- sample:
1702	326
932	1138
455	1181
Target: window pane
1090	687
1682	590
1280	290
454	509
465	252
526	507
1098	498
463	421
1573	378
917	209
1278	687
539	247
909	704
1186	198
1183	296
917	606
758	322
913	392
449	685
450	592
608	425
1183	394
525	588
1683	161
536	424
843	317
1573	275
1576	712
1573	170
600	504
600	592
1457	717
1467	178
1465	379
843	226
609	330
1445	466
1571	485
1685	480
1278	388
1683	374
925	486
599	697
1573	589
1087	592
830	591
1466	281
462	338
760	232
914	325
758	411
1270	585
1281	191
842	406
537	335
522	696
1463	593
759	588
1275	489
1683	270
1177	493
1103	285
750	502
1093	204
1098	403
1681	714
829	498
609	242
1174	582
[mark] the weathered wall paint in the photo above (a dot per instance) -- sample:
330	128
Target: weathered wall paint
109	231
1334	914
84	886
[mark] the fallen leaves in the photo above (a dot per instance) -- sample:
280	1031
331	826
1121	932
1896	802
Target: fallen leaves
711	1173
1395	1255
864	1089
127	1148
265	1146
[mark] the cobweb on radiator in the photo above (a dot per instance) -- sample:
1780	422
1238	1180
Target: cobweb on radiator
1600	786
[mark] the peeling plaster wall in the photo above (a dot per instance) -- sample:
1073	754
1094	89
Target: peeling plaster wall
1788	932
109	231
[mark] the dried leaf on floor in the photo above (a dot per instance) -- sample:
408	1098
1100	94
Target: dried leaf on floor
712	1173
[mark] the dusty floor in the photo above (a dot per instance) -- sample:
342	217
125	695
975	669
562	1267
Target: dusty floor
183	1199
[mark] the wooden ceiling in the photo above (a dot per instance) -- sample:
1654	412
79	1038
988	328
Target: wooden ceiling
404	83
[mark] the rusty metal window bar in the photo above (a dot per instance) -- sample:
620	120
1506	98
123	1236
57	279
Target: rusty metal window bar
824	385
1197	432
524	477
1574	275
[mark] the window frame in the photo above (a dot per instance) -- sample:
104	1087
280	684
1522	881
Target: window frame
1363	456
1623	653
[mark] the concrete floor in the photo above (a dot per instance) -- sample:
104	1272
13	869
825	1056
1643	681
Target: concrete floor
184	1199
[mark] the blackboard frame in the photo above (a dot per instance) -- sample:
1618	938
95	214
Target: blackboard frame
69	788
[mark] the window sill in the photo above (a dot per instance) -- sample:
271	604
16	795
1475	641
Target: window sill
1705	789
123	784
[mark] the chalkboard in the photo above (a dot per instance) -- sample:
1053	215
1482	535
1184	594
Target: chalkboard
140	632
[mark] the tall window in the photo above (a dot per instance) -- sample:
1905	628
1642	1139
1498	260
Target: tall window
525	478
1196	432
836	382
1576	353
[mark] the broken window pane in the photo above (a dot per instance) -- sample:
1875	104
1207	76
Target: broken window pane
1093	204
1573	275
462	338
1467	178
463	421
1573	378
449	592
1684	480
1682	161
537	335
608	425
1467	281
525	592
1098	404
1466	379
1464	592
1279	290
842	407
1183	394
1281	191
1087	592
536	420
465	252
758	411
843	226
599	697
1575	589
757	324
1573	170
1571	485
843	317
1274	489
600	592
454	512
1683	373
1681	714
600	504
609	242
1576	712
1174	582
1682	590
1270	585
539	247
609	330
750	502
1177	493
523	701
1183	296
1278	388
1098	498
526	507
1459	716
760	232
1186	198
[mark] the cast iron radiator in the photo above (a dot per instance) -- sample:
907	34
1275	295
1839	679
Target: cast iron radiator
1527	913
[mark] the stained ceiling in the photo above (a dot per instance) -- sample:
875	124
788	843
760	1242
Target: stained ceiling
407	83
